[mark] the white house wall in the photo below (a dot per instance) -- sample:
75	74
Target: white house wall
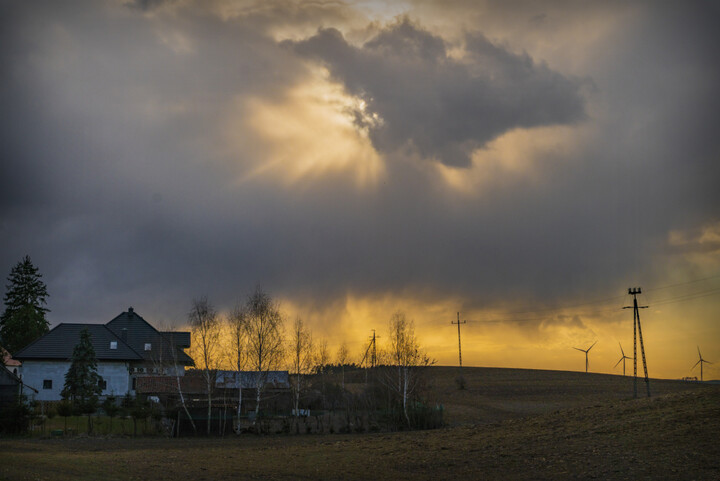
35	372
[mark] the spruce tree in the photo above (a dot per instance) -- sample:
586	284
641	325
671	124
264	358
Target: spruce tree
82	382
23	320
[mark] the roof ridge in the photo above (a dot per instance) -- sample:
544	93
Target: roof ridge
120	339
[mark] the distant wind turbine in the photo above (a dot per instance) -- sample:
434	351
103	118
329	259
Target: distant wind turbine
622	359
586	354
701	361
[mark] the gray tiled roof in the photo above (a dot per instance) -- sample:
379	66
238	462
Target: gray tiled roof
136	332
248	379
60	342
129	330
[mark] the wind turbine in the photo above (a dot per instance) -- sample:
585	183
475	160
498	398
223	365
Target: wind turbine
701	361
622	359
586	354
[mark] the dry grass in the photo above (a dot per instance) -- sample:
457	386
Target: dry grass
572	427
497	394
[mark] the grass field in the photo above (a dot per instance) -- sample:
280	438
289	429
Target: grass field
507	424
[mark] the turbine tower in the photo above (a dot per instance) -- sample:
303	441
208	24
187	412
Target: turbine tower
701	361
586	354
622	359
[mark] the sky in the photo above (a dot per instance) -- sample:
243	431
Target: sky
522	163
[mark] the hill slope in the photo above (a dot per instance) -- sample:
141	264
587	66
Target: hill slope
497	394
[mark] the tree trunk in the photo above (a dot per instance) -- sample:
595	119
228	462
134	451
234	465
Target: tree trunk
297	404
239	408
405	396
182	401
209	416
258	395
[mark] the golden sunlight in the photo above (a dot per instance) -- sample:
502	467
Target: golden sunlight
496	337
311	132
519	154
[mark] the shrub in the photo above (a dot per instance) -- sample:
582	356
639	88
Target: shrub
15	417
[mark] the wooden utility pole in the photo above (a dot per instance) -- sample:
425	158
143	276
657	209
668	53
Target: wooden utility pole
372	351
637	333
459	344
373	357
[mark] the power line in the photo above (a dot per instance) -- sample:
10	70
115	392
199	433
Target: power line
683	283
687	297
660	302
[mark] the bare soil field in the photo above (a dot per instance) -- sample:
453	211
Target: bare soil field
547	425
497	394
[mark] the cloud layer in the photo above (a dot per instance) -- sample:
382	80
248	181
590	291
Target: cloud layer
443	107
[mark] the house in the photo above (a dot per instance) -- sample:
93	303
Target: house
276	397
12	365
11	388
248	379
126	348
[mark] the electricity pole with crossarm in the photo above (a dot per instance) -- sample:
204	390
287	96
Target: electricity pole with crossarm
459	344
637	333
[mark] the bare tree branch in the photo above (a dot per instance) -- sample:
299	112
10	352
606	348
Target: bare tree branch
206	333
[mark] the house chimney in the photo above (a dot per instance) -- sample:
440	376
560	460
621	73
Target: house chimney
131	310
123	334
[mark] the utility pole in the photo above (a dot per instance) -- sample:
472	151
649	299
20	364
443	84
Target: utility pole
637	333
459	344
372	350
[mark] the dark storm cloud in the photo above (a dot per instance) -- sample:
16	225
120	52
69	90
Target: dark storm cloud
148	5
119	180
111	179
443	107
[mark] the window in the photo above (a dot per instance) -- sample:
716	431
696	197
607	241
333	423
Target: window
134	384
148	346
113	344
102	383
47	383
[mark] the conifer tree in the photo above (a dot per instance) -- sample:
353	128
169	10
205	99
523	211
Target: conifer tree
82	382
23	320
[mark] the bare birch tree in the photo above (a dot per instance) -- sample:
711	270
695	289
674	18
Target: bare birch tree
168	339
322	359
301	362
264	339
343	355
405	355
238	330
206	333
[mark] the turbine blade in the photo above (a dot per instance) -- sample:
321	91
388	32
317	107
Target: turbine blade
695	365
592	345
621	349
618	362
581	350
699	352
